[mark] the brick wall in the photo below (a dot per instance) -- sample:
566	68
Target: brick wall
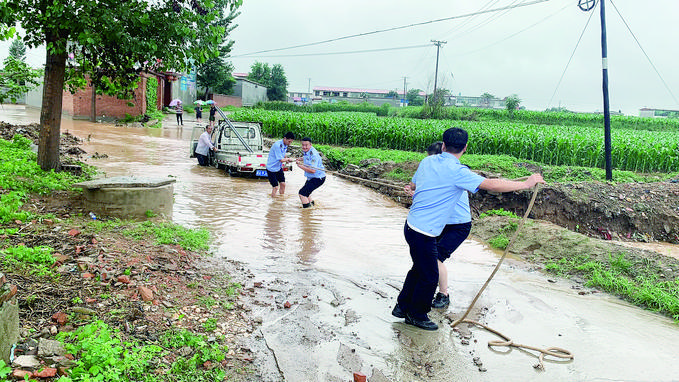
79	104
222	100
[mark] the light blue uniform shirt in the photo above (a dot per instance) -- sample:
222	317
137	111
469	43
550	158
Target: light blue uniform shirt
440	184
313	159
277	152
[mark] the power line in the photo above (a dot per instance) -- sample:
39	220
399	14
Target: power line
395	28
346	52
570	58
646	55
516	33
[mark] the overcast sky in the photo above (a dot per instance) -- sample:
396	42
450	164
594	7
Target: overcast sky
523	50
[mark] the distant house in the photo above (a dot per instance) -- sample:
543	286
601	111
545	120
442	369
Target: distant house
660	113
300	98
470	101
250	92
356	95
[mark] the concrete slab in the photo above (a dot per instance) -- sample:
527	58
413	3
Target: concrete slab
129	196
125	182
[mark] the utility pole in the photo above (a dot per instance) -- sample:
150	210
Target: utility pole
588	5
436	74
405	99
308	90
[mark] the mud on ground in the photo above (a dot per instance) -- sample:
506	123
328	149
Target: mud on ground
142	288
138	286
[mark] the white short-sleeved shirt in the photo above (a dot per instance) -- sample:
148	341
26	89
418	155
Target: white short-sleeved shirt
440	182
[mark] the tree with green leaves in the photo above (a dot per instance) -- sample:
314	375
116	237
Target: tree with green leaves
109	43
214	75
17	78
392	94
277	90
512	102
260	73
414	98
18	50
272	77
439	99
485	98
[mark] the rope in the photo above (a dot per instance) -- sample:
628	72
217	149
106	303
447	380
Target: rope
397	186
551	351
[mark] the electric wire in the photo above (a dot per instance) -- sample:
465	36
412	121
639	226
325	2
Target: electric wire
347	52
485	22
468	20
646	55
570	58
516	33
393	28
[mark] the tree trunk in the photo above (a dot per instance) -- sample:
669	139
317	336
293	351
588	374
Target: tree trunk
93	107
50	115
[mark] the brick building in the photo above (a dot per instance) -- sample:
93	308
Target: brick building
79	105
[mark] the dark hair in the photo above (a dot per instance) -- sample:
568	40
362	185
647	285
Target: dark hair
455	139
434	148
306	139
289	135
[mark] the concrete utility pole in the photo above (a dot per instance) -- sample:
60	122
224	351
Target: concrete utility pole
588	5
436	74
405	99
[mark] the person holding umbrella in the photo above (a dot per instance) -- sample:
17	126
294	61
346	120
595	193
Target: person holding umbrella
180	113
213	112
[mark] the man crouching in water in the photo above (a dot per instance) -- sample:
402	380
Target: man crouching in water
312	164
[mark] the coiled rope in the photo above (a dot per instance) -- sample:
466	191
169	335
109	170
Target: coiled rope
550	351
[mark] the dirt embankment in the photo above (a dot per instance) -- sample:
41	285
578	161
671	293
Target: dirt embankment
640	212
593	218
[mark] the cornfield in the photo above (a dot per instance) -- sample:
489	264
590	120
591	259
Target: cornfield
634	150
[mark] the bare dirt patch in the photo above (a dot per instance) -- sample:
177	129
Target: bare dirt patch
138	286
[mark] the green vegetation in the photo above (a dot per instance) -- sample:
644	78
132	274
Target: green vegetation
169	233
29	261
639	285
325	107
101	355
499	212
502	165
19	171
558	145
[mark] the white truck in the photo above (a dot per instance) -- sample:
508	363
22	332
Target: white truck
240	150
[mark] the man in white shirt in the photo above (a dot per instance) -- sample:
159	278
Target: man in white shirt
203	147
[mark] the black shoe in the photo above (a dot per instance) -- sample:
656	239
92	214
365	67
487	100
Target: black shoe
422	324
398	312
441	301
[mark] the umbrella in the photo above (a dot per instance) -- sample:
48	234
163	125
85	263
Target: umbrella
210	102
175	101
199	102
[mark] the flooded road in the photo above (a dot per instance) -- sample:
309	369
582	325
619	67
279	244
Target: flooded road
341	264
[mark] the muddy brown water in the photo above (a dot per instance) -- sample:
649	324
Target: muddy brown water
340	266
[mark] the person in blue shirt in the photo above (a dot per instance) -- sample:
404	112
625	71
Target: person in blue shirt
436	220
274	163
312	164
